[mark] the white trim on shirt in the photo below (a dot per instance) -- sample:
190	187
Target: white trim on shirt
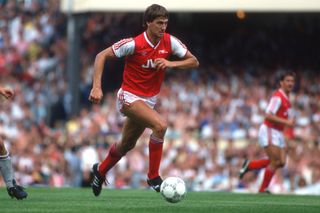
123	47
149	42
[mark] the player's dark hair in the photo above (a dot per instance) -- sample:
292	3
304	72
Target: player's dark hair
283	75
154	11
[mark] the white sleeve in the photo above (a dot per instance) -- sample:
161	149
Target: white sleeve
178	48
123	47
274	105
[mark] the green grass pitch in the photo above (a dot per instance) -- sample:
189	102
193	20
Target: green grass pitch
69	200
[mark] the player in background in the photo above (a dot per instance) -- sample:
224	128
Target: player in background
14	190
278	116
146	60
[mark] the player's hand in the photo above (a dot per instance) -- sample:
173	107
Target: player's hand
291	122
162	64
95	95
7	93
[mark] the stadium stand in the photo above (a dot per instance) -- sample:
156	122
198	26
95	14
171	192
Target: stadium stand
213	112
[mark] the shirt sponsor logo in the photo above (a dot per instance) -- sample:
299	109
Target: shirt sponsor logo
149	64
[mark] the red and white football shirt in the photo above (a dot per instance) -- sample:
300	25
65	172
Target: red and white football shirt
271	133
140	76
280	106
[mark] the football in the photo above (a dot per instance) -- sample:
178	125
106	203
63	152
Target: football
173	189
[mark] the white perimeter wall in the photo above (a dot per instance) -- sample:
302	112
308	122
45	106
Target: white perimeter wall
79	6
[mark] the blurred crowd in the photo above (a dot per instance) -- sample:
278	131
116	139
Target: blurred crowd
213	112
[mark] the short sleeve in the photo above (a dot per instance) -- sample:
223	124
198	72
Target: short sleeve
123	47
178	48
274	105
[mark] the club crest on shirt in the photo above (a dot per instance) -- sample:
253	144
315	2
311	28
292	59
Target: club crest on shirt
162	52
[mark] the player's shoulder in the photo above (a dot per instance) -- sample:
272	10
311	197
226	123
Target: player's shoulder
122	42
171	37
176	41
140	40
276	96
168	35
276	93
280	94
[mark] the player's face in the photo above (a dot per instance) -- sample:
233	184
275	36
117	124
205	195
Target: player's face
288	83
158	26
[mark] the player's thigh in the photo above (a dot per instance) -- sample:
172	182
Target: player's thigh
277	156
131	131
273	151
141	113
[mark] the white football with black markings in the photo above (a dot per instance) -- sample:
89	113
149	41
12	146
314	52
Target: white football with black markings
173	189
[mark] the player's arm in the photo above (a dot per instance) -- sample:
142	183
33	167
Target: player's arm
122	48
96	91
188	62
271	111
6	92
277	119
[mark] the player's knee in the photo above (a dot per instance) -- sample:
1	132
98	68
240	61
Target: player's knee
277	163
274	163
3	150
130	147
281	164
160	128
124	148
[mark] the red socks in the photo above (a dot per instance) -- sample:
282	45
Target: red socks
258	164
112	158
155	153
266	179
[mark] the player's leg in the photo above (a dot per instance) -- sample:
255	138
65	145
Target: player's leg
142	113
130	133
253	165
258	164
5	165
264	134
274	154
283	158
6	169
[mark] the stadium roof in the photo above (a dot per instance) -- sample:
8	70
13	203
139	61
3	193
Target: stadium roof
81	6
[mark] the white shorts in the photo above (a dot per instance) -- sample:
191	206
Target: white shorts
268	136
126	98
